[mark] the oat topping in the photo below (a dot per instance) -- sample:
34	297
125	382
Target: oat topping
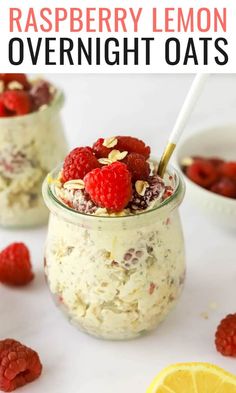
110	142
114	155
104	161
141	187
74	184
14	85
43	107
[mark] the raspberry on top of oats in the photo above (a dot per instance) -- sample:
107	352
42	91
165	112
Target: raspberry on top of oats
116	174
102	147
20	96
110	186
78	163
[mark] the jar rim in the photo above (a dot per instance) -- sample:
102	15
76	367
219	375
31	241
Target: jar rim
172	201
56	103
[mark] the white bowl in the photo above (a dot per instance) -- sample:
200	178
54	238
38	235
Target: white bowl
214	142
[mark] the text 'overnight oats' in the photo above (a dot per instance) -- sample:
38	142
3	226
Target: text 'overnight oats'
31	144
114	256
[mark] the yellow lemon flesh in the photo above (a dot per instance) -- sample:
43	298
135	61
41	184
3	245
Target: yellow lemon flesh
193	378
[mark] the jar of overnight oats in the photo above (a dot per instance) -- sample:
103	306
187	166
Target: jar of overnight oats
115	277
30	146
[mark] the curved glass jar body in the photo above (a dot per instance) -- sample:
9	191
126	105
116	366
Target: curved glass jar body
115	277
30	147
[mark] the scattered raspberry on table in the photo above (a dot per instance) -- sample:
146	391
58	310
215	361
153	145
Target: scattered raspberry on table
15	265
19	365
225	337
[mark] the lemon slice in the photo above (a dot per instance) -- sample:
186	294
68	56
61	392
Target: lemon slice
193	378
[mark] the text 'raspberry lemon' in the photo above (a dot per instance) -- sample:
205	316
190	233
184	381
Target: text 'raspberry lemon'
193	378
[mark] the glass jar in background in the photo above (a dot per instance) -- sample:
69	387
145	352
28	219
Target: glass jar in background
30	146
115	277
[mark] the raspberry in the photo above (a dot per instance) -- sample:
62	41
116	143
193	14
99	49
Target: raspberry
225	187
17	101
110	186
15	265
40	94
19	365
78	163
3	111
202	172
100	151
216	161
20	78
228	169
132	145
225	337
138	166
155	189
125	143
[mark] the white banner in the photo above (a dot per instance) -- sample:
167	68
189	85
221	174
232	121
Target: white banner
110	36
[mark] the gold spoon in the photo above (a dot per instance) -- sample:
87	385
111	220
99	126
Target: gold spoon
186	110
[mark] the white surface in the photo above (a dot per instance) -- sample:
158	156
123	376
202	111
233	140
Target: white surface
73	362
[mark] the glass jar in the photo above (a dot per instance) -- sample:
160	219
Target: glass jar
115	277
30	147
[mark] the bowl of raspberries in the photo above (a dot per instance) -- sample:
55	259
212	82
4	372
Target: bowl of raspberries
207	160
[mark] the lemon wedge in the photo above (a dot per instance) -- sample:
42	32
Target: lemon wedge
193	378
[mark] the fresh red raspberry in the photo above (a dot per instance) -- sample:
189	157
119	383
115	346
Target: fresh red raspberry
216	161
15	265
225	337
202	172
138	166
3	111
101	151
19	365
132	145
225	187
228	169
40	94
110	186
20	78
17	101
78	163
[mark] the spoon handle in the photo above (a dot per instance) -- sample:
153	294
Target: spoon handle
186	110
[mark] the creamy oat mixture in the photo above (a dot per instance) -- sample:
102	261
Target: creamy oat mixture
30	146
116	279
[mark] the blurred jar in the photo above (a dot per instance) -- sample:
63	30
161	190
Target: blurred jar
30	146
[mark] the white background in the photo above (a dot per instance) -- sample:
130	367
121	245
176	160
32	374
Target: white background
145	106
